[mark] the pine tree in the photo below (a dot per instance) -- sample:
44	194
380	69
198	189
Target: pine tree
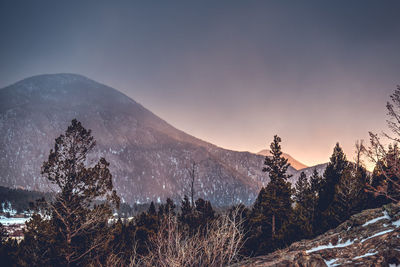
350	196
276	165
258	235
8	249
302	188
186	207
278	189
77	226
304	212
152	209
167	209
204	212
123	241
338	163
315	186
315	182
272	209
147	224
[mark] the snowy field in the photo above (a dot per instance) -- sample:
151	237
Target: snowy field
9	221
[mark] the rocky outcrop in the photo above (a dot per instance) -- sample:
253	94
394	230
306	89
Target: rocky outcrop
370	238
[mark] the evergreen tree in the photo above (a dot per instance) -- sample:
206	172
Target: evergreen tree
152	209
315	186
123	240
338	163
146	225
186	207
304	212
272	210
276	165
258	235
350	195
77	229
278	189
167	209
302	189
315	182
8	248
204	212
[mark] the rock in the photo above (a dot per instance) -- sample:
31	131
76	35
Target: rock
370	238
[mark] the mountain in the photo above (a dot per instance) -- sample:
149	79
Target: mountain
148	157
293	162
370	238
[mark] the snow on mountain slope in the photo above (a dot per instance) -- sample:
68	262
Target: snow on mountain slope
148	157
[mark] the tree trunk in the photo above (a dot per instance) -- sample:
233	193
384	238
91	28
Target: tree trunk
273	225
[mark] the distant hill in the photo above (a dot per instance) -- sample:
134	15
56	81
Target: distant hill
148	157
293	162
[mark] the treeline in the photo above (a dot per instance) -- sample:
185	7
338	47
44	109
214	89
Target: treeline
75	229
282	214
22	200
19	199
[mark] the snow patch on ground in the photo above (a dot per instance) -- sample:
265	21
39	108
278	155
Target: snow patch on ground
8	209
377	234
329	246
385	216
9	221
396	223
365	255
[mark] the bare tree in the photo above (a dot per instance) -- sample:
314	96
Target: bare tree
115	260
192	170
387	163
174	247
358	153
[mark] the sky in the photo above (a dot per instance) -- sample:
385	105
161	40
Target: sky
233	73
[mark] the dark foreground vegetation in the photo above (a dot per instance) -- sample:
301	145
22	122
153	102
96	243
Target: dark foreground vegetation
76	227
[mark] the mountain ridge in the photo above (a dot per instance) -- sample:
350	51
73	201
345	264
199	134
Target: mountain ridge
148	157
295	163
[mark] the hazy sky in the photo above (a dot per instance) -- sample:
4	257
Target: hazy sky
233	73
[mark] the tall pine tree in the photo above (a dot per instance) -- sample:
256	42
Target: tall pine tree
350	195
272	209
304	212
338	163
278	189
75	230
332	174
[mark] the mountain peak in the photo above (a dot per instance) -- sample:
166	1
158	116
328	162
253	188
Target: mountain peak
56	77
293	162
148	157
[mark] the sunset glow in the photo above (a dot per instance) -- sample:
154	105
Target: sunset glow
315	74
